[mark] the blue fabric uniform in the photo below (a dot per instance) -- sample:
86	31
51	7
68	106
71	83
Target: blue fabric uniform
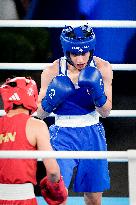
91	175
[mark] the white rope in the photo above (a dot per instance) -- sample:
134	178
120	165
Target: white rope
41	66
111	156
73	23
122	155
114	113
123	113
124	67
23	66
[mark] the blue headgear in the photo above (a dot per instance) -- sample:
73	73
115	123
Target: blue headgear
77	40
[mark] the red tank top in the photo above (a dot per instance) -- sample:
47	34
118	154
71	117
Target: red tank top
13	137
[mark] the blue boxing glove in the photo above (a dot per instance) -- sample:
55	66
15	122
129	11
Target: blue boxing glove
91	78
58	90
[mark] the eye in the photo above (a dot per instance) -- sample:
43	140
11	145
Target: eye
73	54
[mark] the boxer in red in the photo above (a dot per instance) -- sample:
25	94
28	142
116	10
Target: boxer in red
20	131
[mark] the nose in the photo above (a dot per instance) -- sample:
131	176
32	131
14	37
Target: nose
80	59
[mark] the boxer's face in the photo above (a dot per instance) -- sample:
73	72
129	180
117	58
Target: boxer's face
81	60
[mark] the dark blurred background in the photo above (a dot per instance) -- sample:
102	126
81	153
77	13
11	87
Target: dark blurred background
39	45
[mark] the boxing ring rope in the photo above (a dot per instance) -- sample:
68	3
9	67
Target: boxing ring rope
129	155
41	66
116	155
73	23
113	113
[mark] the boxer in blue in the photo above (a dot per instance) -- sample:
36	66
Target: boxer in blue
77	88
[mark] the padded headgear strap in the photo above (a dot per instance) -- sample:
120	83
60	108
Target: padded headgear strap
19	91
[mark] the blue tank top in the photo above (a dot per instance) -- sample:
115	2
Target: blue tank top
80	102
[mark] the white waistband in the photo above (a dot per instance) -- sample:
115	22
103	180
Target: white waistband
77	120
16	191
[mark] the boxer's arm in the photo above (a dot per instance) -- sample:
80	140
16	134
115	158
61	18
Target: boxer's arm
107	74
52	186
46	77
99	82
38	136
106	70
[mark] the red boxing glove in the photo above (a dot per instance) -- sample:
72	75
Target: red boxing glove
54	193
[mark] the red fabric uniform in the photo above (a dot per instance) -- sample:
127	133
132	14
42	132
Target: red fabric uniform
13	137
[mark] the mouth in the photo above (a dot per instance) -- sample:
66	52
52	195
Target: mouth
80	66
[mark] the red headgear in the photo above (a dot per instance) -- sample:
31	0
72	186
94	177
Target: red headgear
19	91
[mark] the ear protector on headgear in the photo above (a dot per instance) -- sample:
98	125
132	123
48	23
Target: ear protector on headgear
20	91
77	40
